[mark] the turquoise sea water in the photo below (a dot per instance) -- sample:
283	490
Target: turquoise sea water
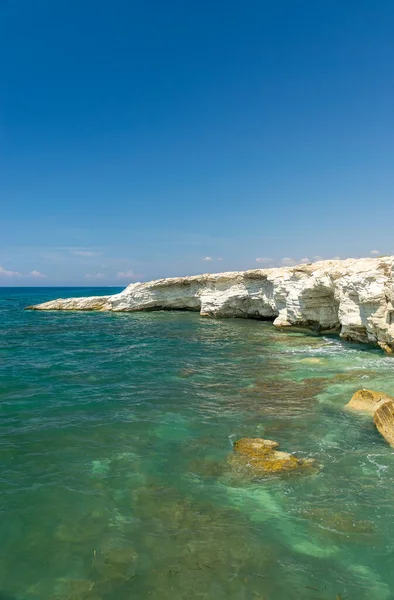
115	435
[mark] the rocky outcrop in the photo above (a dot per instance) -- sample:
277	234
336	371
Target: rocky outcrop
381	405
367	401
260	457
384	420
354	297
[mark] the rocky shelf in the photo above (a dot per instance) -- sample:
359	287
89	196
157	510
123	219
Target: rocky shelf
354	297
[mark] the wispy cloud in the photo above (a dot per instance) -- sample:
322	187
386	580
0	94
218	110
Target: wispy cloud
86	253
288	262
265	261
36	274
317	258
95	276
208	258
375	252
5	273
304	261
126	275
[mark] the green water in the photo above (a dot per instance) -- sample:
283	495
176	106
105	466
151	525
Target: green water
115	483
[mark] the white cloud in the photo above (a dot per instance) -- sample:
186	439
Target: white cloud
317	258
220	258
337	258
126	274
209	258
86	253
265	261
375	252
95	276
6	273
36	274
288	262
305	261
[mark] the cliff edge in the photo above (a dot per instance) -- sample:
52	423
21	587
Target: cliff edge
354	297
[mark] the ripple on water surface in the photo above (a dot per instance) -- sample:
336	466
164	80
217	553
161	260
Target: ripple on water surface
116	483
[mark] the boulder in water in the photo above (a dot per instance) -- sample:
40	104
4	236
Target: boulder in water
367	400
384	420
260	457
381	405
255	446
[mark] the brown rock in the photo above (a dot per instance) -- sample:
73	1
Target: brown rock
343	522
312	360
367	400
115	561
389	348
255	446
384	420
185	373
259	456
76	589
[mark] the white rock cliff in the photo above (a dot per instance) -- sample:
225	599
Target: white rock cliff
354	297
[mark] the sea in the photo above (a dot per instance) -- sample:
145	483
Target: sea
116	439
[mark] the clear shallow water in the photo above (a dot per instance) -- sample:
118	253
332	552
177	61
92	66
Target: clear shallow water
115	432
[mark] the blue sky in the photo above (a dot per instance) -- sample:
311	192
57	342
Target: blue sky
139	138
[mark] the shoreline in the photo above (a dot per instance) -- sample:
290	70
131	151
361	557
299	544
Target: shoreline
352	297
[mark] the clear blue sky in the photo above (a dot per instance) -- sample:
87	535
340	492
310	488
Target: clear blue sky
140	137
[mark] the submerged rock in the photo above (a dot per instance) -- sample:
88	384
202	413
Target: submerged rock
272	396
114	561
186	373
384	420
341	522
311	360
260	456
367	400
353	374
76	589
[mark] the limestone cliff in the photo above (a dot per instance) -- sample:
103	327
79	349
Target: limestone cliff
354	297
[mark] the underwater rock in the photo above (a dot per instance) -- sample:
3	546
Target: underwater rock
367	400
118	553
186	373
114	561
261	457
206	467
384	420
76	589
283	396
341	522
353	374
310	360
87	527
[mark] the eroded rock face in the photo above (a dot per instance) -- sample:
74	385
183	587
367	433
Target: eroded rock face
260	457
367	400
384	420
354	297
90	303
381	406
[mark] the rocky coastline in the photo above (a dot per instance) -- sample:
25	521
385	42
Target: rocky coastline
353	297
